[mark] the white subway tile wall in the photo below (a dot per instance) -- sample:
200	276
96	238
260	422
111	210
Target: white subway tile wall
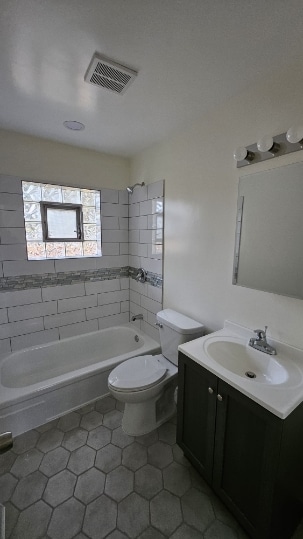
141	302
3	316
75	264
146	208
39	315
28	267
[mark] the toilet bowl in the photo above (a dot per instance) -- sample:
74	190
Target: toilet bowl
147	384
140	383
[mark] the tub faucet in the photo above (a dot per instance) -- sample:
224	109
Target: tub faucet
260	343
137	317
141	275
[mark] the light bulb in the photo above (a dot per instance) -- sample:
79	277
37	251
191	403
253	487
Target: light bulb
295	134
241	154
265	143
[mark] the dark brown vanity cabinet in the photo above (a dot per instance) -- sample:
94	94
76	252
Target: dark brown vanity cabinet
252	459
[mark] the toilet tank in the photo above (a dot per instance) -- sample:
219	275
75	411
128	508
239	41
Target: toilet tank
176	328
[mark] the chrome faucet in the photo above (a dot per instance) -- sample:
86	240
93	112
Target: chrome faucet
137	317
260	343
141	275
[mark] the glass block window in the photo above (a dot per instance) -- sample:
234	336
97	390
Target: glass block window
61	222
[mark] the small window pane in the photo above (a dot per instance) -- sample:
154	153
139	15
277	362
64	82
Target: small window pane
97	200
71	196
90	232
51	193
55	250
32	211
89	215
35	250
88	198
90	248
73	249
62	223
31	191
33	231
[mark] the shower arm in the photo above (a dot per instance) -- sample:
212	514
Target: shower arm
131	188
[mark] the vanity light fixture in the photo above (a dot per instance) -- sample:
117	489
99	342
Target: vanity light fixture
295	135
242	154
267	144
269	147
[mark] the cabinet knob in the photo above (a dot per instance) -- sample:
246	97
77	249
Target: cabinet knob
210	390
219	397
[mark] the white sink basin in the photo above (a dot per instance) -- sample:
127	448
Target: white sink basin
247	362
275	382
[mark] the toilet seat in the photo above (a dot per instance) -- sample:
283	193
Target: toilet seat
137	373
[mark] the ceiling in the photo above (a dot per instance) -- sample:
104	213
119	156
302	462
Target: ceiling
191	56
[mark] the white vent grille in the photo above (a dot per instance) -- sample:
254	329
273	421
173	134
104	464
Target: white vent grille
107	74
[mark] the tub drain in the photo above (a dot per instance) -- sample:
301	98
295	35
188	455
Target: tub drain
136	338
250	374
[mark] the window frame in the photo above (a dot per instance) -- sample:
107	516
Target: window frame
44	205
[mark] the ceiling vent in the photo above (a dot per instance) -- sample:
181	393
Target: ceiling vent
107	74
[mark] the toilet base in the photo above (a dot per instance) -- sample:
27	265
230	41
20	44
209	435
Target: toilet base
143	417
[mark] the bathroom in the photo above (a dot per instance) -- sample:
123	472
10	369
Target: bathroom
201	186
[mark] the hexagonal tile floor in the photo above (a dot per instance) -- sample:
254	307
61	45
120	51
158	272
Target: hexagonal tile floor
82	477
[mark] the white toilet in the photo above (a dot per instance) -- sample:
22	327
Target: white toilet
146	384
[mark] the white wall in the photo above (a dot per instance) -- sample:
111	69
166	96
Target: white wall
201	182
47	161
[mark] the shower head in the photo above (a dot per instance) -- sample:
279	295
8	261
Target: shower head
130	189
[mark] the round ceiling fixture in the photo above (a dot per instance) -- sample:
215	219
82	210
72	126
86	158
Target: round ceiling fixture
73	125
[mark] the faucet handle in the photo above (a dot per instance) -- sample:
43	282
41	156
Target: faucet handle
141	275
261	333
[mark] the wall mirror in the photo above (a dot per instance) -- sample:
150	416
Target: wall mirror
268	252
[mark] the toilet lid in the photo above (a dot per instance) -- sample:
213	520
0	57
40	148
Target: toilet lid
137	373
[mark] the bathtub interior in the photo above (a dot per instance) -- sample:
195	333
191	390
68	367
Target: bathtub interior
38	364
24	407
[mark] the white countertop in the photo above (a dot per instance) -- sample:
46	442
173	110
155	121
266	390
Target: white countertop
280	399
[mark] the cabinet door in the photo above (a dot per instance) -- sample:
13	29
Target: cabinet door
247	445
196	414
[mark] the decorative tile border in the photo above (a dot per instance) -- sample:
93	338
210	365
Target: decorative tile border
24	282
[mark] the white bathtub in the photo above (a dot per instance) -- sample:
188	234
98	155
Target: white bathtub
41	383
